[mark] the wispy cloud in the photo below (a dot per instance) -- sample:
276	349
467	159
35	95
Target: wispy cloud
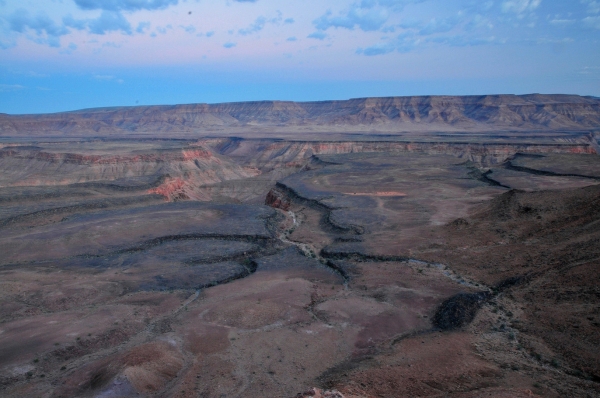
368	15
188	28
562	22
108	21
402	43
10	87
108	78
125	5
593	6
520	7
46	30
366	18
442	25
260	23
592	22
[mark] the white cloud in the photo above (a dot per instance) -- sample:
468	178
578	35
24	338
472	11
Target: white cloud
46	30
403	43
10	87
125	5
520	7
563	22
366	18
108	21
592	22
593	6
440	25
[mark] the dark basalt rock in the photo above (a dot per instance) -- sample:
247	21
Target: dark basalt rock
459	310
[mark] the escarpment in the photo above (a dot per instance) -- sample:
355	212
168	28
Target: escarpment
269	154
392	114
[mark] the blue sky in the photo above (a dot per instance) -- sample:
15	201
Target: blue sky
58	55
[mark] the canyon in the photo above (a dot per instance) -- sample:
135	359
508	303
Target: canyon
377	247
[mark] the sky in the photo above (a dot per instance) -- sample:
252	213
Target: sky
61	55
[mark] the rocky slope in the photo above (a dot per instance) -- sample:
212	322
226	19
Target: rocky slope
394	114
176	171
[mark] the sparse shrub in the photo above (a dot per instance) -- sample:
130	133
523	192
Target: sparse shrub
36	360
63	368
511	336
554	363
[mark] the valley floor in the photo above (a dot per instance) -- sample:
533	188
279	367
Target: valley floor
257	268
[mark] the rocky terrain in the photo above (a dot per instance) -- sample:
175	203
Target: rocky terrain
303	250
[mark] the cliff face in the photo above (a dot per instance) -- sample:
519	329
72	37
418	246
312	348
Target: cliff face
180	169
268	154
431	113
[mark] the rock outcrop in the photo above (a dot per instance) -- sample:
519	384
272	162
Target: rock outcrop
277	199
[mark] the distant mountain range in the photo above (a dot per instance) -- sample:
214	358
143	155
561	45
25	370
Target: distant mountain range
392	115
